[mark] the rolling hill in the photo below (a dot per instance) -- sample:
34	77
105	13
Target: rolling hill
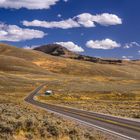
102	87
58	50
36	61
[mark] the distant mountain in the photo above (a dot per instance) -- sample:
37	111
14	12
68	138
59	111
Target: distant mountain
58	50
55	49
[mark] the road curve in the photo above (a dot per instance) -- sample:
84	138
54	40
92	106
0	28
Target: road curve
124	128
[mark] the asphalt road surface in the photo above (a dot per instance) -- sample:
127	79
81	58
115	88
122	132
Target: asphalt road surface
127	129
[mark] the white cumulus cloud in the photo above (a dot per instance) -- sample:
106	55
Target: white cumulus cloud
107	19
131	44
83	20
29	4
64	24
30	47
71	46
15	33
127	57
102	44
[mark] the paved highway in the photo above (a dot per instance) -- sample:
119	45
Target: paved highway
121	127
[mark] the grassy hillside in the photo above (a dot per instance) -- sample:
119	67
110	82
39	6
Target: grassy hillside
23	67
19	75
106	88
67	66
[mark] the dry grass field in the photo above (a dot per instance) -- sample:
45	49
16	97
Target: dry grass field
105	95
111	89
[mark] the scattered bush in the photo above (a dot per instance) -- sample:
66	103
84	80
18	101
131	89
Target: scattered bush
15	119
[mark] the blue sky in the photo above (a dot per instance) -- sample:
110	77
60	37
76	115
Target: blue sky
103	28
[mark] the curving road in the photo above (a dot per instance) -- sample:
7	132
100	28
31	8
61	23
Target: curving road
121	127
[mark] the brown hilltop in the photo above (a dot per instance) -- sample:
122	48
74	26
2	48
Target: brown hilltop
58	50
55	49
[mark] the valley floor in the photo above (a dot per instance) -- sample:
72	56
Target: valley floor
115	96
19	120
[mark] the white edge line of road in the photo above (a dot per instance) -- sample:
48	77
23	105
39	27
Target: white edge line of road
88	124
95	126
